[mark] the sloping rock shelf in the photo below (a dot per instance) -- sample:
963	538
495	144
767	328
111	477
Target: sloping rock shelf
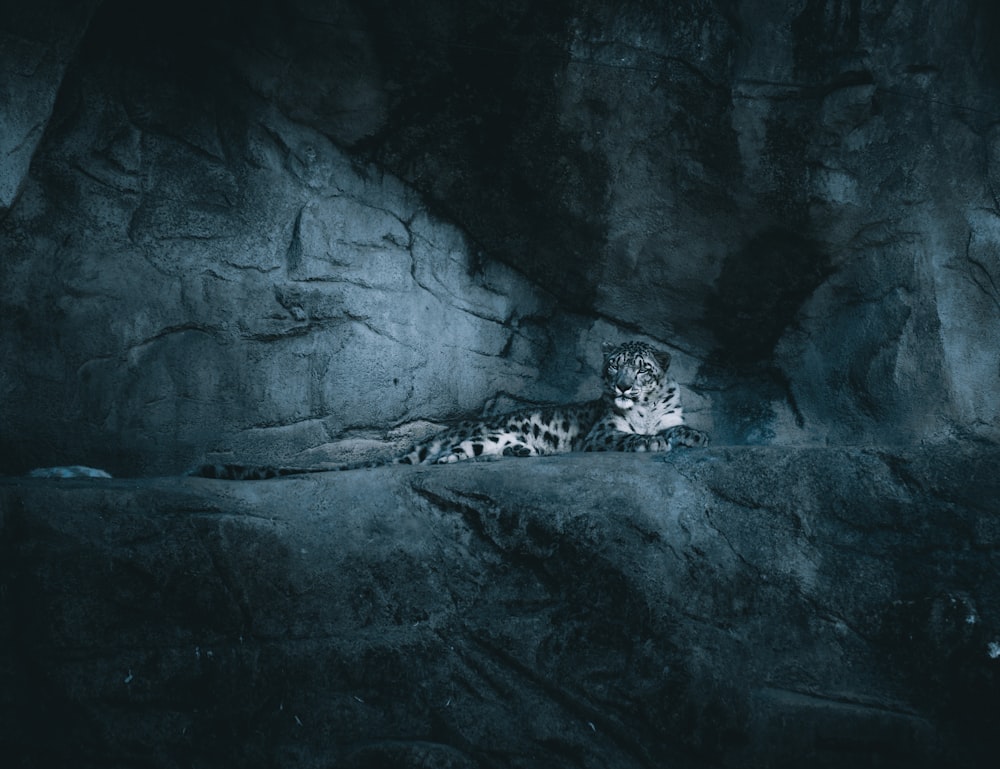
734	607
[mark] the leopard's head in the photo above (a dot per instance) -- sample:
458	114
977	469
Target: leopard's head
634	372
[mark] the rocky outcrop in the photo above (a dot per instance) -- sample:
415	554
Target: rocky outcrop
257	295
298	231
293	232
800	197
727	607
38	41
223	282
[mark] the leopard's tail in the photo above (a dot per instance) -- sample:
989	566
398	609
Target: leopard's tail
236	472
233	472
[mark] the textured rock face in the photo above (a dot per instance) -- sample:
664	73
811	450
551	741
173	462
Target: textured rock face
227	280
37	41
730	607
800	196
289	232
294	231
256	293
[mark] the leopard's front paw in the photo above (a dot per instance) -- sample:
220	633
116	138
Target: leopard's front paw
682	435
647	443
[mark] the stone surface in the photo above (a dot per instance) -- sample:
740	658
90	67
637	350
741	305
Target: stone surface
296	232
728	607
291	232
801	196
269	298
37	43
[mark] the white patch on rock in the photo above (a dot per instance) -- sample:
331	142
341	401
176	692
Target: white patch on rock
71	471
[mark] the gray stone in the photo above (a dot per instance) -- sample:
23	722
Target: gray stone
300	233
342	310
726	607
788	194
37	43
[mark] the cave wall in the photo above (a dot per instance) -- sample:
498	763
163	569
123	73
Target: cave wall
295	231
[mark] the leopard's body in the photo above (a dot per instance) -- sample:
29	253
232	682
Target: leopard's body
639	410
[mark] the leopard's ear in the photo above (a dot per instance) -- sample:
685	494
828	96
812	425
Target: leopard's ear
663	358
608	347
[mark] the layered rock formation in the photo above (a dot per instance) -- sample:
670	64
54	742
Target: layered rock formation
293	232
283	232
753	607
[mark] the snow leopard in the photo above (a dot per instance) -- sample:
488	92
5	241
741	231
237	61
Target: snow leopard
638	410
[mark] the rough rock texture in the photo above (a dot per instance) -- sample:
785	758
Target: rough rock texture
37	42
260	294
751	607
801	196
291	231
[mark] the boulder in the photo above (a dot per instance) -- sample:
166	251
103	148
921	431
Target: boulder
729	607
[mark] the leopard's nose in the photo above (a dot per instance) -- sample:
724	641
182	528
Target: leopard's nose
624	381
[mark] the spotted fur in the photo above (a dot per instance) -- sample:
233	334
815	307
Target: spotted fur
639	410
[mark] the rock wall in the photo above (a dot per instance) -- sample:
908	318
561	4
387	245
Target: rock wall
744	607
294	232
37	43
253	293
801	196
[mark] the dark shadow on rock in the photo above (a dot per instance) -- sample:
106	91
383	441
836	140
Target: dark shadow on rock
474	124
727	607
757	297
759	293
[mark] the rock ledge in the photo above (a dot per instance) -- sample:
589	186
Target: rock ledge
732	607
